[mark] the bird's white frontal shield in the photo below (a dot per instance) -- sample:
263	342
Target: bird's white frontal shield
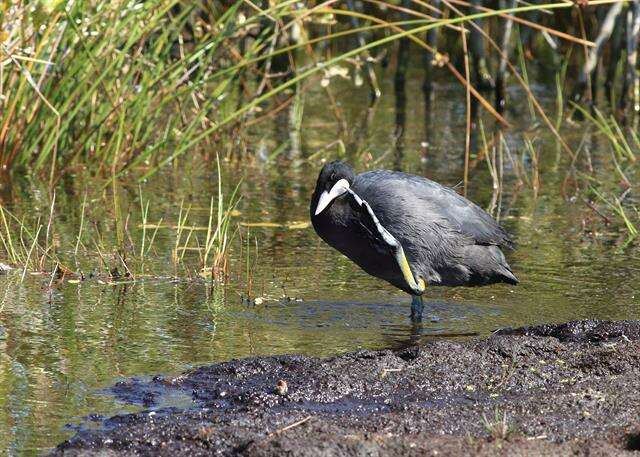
339	188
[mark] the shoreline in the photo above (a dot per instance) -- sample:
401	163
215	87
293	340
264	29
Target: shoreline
549	389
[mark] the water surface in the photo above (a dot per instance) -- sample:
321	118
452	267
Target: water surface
61	342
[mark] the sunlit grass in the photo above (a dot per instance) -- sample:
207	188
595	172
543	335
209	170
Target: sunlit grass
79	92
40	244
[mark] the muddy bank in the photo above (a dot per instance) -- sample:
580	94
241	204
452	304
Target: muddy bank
554	389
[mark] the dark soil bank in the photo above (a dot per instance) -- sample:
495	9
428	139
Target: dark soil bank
554	390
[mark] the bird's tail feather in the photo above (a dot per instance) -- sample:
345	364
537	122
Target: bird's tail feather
508	276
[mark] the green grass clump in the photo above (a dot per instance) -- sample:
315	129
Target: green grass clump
112	86
108	84
111	237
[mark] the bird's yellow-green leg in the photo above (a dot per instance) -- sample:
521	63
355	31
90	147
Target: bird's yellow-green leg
415	283
417	286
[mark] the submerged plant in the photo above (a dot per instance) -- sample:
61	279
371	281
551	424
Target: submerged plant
615	204
42	243
214	258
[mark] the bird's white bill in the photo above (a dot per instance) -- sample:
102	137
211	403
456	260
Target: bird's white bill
326	198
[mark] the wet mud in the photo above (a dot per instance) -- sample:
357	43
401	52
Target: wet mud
568	389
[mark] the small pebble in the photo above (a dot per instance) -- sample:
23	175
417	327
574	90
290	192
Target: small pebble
281	387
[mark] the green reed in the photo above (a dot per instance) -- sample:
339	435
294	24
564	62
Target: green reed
122	86
40	242
95	83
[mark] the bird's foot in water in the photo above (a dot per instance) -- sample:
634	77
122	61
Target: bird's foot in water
417	311
416	308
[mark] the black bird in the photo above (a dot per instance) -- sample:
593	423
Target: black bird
408	230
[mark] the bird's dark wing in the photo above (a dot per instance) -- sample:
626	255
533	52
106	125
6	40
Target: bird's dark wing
408	203
382	238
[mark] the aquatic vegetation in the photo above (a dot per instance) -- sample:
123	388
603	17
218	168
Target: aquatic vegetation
621	142
615	204
127	249
78	92
121	248
619	137
214	256
19	241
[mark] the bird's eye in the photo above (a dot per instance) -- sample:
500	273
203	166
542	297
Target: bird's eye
331	181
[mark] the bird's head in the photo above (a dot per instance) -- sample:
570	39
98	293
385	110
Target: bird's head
334	180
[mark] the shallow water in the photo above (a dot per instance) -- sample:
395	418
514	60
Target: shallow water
61	343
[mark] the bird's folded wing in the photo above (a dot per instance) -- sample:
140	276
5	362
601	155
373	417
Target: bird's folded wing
424	202
373	225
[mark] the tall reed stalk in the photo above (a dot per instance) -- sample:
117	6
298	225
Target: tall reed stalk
79	91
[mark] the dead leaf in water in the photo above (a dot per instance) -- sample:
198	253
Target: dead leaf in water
295	225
